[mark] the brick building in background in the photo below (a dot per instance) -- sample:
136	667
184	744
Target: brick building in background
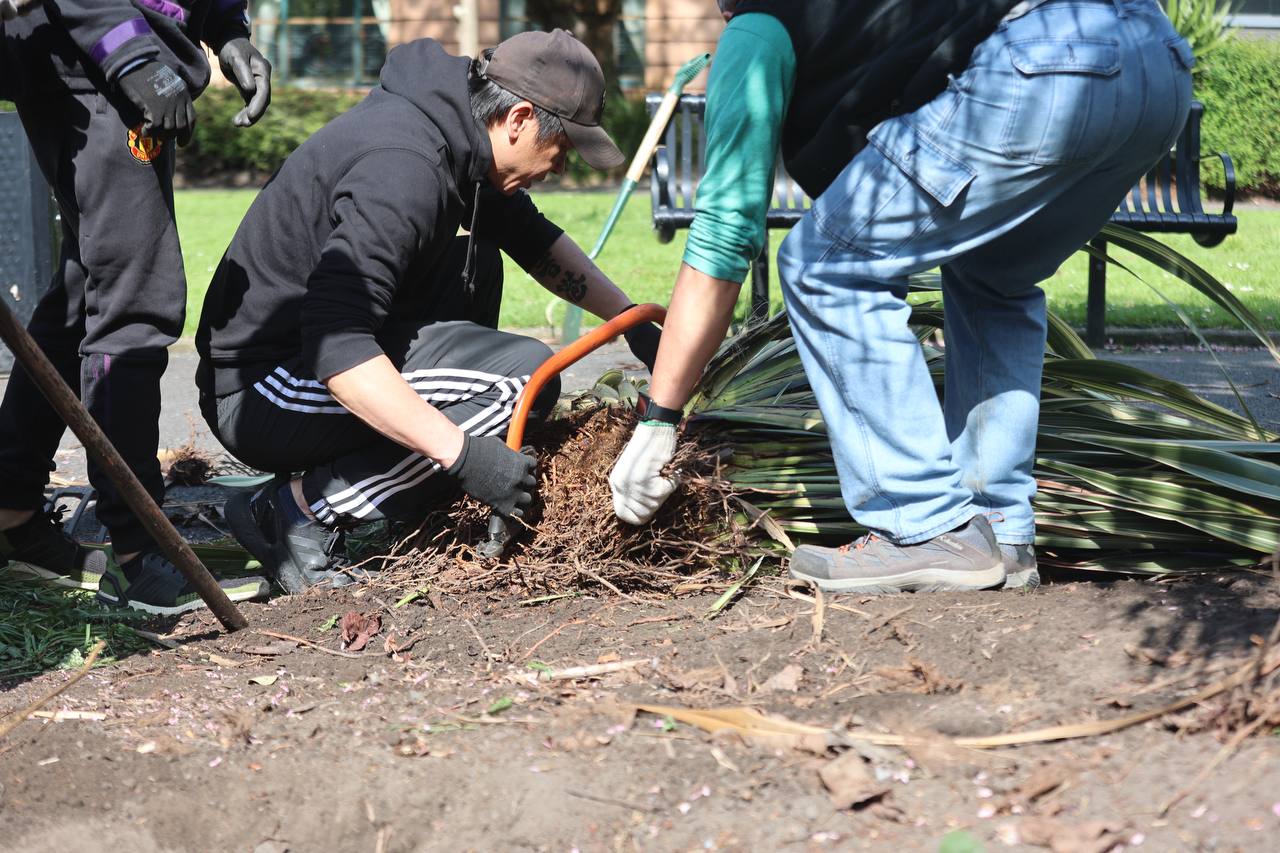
344	42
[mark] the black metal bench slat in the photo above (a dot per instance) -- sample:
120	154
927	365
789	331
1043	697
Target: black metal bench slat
1163	168
1149	206
1153	203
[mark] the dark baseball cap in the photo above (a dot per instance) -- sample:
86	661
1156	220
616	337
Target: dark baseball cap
558	73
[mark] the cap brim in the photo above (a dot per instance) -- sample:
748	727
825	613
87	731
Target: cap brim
594	145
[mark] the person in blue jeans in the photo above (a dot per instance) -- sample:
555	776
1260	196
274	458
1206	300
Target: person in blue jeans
993	157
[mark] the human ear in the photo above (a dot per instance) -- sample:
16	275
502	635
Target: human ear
519	119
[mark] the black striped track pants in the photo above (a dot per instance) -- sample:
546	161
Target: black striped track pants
289	423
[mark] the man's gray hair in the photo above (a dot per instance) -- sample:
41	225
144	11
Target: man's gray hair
490	104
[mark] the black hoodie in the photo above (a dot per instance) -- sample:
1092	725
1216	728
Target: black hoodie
346	234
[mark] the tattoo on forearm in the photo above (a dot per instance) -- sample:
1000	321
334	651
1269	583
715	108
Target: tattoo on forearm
572	287
545	269
563	282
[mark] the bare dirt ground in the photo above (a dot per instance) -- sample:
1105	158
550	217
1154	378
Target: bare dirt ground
446	734
460	741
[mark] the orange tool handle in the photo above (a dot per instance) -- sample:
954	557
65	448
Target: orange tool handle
632	317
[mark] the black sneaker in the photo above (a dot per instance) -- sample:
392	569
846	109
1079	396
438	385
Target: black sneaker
298	555
149	582
41	548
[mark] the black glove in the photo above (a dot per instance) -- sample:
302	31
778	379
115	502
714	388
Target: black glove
494	474
10	9
643	340
249	70
162	98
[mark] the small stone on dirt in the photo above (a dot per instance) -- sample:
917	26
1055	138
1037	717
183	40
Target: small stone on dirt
786	679
850	783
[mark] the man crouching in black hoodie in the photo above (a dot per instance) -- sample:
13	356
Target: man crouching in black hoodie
350	332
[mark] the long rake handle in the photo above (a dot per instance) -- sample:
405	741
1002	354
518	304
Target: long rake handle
657	126
104	454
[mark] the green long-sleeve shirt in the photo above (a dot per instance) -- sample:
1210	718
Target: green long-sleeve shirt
747	97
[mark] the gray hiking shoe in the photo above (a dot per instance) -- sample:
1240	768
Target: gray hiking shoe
1020	570
961	559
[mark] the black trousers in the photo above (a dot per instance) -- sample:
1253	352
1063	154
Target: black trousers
116	302
288	422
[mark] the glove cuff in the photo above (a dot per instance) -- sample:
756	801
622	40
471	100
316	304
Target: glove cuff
456	468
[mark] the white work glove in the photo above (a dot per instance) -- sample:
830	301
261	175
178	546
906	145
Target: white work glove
639	488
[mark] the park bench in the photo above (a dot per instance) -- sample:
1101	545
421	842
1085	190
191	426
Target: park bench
1165	201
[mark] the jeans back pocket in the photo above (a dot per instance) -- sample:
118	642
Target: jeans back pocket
1065	101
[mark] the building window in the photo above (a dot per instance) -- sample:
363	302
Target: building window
628	45
628	37
323	42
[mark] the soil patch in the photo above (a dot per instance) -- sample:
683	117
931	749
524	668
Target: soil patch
450	731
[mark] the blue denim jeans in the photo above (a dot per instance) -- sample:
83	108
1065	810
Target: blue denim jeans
997	180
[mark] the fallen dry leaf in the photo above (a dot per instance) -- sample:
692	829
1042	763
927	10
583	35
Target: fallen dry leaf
272	847
787	678
693	679
749	724
1042	781
917	676
1093	836
609	657
358	629
264	680
849	782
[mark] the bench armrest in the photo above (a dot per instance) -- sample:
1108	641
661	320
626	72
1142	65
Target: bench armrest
660	194
1228	182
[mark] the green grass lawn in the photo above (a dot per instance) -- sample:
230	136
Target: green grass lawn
1248	262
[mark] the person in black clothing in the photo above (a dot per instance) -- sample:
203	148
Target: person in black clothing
348	341
104	90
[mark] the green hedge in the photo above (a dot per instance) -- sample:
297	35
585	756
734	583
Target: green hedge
218	147
1240	88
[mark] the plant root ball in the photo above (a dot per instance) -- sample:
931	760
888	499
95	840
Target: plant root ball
571	538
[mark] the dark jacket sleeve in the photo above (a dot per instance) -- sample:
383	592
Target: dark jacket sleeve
112	33
227	20
517	226
384	211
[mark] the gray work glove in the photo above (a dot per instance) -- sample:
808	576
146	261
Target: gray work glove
249	70
494	474
162	98
10	9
